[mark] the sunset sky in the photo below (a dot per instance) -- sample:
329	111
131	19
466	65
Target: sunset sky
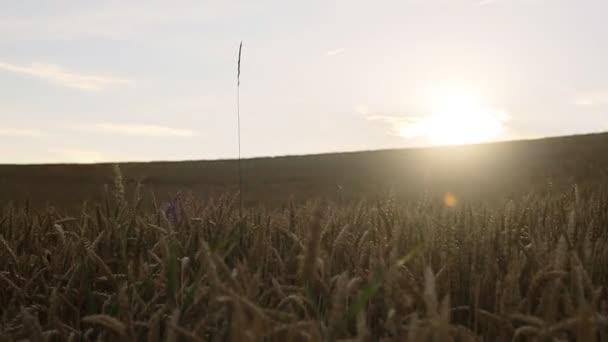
92	81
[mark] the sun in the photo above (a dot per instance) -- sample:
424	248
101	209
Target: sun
457	115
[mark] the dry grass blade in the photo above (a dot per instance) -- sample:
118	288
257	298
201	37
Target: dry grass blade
527	319
107	322
312	247
32	326
172	335
9	250
103	266
430	293
524	332
11	284
154	326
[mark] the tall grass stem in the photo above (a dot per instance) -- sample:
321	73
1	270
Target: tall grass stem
238	120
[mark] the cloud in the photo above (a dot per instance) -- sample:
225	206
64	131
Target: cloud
486	2
399	124
144	130
334	52
60	75
592	99
13	132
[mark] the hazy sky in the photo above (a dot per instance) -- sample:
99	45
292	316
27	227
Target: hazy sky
84	81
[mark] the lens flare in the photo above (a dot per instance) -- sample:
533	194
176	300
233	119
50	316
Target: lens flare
450	200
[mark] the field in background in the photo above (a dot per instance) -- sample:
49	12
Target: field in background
486	172
368	249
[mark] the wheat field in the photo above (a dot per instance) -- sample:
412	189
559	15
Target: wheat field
533	269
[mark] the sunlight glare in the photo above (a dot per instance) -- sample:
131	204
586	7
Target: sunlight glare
457	116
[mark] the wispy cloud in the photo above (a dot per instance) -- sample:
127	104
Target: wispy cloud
334	52
592	99
399	124
486	2
145	130
14	132
62	76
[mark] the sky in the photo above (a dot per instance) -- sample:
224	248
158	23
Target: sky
100	81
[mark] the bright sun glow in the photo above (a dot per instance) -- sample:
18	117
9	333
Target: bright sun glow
457	116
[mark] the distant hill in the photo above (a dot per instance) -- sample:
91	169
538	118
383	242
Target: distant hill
476	172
